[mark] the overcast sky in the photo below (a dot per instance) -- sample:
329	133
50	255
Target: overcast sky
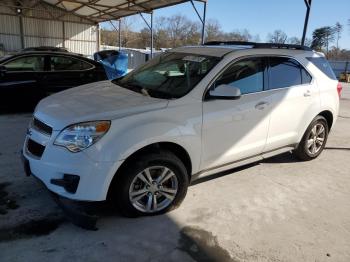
262	17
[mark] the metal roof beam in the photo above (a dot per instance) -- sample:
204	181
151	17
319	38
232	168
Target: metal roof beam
106	12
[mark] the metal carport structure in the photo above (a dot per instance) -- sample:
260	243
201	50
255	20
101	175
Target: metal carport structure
96	11
91	11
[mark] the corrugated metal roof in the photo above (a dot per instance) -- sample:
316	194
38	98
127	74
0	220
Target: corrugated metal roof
104	10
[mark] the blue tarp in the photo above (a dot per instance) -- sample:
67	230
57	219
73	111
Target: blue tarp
115	65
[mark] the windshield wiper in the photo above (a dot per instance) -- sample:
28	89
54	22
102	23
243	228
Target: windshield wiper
144	91
160	94
133	87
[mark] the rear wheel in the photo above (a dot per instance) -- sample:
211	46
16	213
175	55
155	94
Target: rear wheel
151	185
314	140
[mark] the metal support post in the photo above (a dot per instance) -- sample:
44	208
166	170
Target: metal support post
202	18
308	8
120	34
203	26
150	27
98	37
21	31
152	37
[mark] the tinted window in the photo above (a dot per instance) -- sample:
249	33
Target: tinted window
63	63
323	65
247	75
284	72
26	63
305	76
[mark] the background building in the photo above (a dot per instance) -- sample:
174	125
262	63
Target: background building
41	24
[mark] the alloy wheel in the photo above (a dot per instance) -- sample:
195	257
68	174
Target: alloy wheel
316	139
153	189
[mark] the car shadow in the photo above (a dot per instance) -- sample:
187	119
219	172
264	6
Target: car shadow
155	238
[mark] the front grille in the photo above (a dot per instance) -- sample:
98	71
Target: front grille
42	127
35	148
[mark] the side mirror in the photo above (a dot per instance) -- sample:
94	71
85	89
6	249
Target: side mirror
2	70
225	92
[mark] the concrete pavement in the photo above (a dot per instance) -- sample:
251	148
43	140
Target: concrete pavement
277	210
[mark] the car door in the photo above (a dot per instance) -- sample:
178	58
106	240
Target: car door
20	81
67	72
233	130
293	98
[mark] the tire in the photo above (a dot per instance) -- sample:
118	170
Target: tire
134	179
306	150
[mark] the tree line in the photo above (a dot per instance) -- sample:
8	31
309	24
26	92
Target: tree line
178	30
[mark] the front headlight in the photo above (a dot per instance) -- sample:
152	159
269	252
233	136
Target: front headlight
80	136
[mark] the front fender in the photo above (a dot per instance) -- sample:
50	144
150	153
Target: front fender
128	135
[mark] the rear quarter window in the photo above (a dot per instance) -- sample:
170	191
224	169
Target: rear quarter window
322	64
64	63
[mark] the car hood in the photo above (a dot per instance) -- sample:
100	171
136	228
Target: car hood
96	101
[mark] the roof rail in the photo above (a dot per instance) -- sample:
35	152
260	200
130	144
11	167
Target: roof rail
259	45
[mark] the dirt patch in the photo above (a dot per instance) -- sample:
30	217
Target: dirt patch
32	228
202	245
6	202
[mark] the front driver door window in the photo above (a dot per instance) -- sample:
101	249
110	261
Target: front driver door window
247	75
236	129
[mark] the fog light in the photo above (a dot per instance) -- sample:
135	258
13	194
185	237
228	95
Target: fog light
69	182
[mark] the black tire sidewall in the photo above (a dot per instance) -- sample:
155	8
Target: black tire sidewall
169	160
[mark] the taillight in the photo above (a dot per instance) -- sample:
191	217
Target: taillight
339	89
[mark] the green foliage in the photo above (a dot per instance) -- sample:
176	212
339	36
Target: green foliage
322	37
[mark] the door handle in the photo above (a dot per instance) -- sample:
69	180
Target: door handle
307	93
261	105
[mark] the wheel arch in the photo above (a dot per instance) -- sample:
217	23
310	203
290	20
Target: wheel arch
328	115
157	147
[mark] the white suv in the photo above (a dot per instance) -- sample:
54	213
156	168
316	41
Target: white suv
192	111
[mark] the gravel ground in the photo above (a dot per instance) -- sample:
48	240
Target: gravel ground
276	210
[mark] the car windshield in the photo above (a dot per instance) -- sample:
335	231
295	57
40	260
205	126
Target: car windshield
168	76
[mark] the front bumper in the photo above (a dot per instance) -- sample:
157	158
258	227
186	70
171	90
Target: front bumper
57	166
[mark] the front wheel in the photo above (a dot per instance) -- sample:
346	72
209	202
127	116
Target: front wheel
314	140
152	184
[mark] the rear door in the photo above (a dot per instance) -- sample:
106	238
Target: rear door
20	83
66	72
294	97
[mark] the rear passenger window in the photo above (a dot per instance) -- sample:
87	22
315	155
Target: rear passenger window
62	63
286	72
246	74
